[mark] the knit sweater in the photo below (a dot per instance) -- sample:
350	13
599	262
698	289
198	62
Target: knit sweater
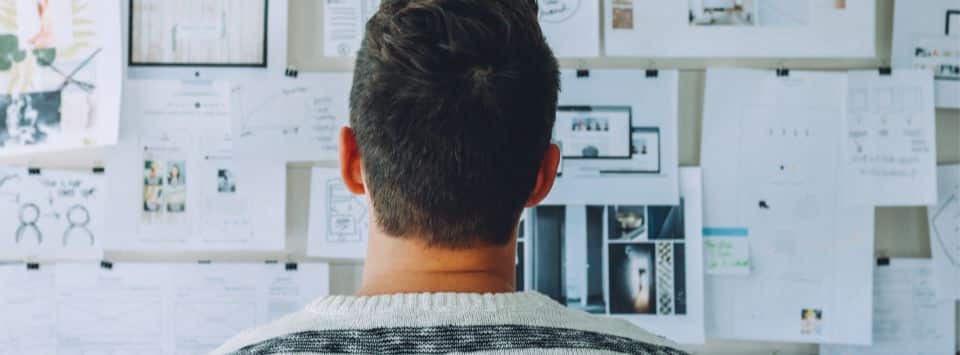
514	323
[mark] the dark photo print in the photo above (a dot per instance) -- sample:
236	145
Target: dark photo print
28	119
666	222
647	278
627	223
632	275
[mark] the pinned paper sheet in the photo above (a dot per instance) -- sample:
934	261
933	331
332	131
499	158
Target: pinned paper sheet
617	132
639	262
945	233
726	251
572	27
728	28
339	220
926	35
771	159
344	23
50	214
61	73
890	156
908	317
162	309
177	181
291	119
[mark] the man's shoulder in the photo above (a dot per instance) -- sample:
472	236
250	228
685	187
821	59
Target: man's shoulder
455	329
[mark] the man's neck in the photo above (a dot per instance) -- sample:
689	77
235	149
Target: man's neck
407	265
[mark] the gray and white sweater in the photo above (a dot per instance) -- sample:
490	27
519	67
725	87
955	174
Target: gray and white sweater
515	323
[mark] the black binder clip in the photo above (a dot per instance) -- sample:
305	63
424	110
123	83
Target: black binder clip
291	72
883	261
290	267
99	170
885	71
583	73
33	266
783	72
33	171
653	73
106	265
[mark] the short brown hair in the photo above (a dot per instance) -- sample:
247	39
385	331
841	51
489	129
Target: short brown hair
452	106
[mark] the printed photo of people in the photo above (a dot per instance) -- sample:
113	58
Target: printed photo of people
810	321
590	124
647	278
175	188
627	222
152	187
226	182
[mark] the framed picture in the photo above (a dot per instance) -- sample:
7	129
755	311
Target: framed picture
212	33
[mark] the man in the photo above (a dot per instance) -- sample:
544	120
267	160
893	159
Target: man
452	109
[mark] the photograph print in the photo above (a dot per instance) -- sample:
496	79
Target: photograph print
627	223
226	181
647	278
175	186
49	50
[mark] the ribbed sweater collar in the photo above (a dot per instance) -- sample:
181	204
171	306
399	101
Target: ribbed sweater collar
433	302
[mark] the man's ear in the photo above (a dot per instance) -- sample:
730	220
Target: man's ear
546	176
351	164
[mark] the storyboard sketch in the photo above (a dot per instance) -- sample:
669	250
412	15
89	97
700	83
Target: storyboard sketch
191	191
772	176
60	75
572	27
908	315
148	308
637	262
926	35
198	33
344	23
49	214
291	119
890	150
339	220
945	232
617	132
740	28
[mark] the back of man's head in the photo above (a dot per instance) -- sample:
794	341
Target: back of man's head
452	107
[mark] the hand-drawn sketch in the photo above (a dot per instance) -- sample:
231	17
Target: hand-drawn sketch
53	93
339	220
558	11
291	119
49	212
346	214
198	33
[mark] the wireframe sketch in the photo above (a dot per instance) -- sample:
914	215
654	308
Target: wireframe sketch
945	228
751	13
49	50
346	215
49	209
558	11
198	32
